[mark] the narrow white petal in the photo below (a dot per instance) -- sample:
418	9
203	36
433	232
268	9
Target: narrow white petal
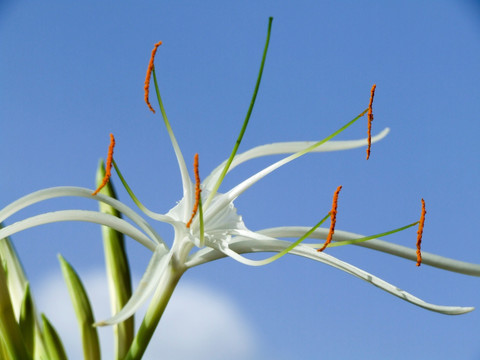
434	260
244	185
253	235
243	259
186	181
70	191
146	287
249	246
82	215
289	148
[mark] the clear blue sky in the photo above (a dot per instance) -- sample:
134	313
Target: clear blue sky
72	73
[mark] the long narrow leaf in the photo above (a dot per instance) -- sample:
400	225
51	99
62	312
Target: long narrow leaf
10	333
17	285
27	321
83	311
118	272
53	343
16	279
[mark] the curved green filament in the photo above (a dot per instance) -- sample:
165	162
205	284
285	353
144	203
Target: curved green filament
129	190
178	153
290	247
247	118
366	238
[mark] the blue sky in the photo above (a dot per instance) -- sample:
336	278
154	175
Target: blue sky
72	73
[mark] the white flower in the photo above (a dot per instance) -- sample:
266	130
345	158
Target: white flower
225	233
217	230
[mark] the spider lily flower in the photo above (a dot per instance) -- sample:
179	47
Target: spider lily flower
215	229
224	232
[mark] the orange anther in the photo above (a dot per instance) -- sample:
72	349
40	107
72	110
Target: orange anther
108	166
197	190
421	223
149	73
370	119
333	219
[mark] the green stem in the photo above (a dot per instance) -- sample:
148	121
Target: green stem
154	313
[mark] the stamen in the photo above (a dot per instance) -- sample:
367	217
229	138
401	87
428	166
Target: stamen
149	73
108	166
421	223
370	119
197	190
333	219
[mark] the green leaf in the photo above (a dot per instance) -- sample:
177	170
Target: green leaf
17	285
16	278
27	321
10	333
53	343
83	311
118	272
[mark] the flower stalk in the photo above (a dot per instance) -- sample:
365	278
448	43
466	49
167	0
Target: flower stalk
161	297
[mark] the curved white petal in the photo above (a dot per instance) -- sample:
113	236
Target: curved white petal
249	246
186	181
254	235
437	261
67	191
232	194
86	216
289	148
146	287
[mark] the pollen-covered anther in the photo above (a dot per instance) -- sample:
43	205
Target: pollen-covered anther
333	219
421	224
108	166
370	119
149	74
197	190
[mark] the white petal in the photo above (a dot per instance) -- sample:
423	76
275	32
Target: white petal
249	246
82	215
67	191
244	185
253	235
186	182
379	245
289	148
146	287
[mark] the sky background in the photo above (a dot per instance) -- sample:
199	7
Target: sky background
70	74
